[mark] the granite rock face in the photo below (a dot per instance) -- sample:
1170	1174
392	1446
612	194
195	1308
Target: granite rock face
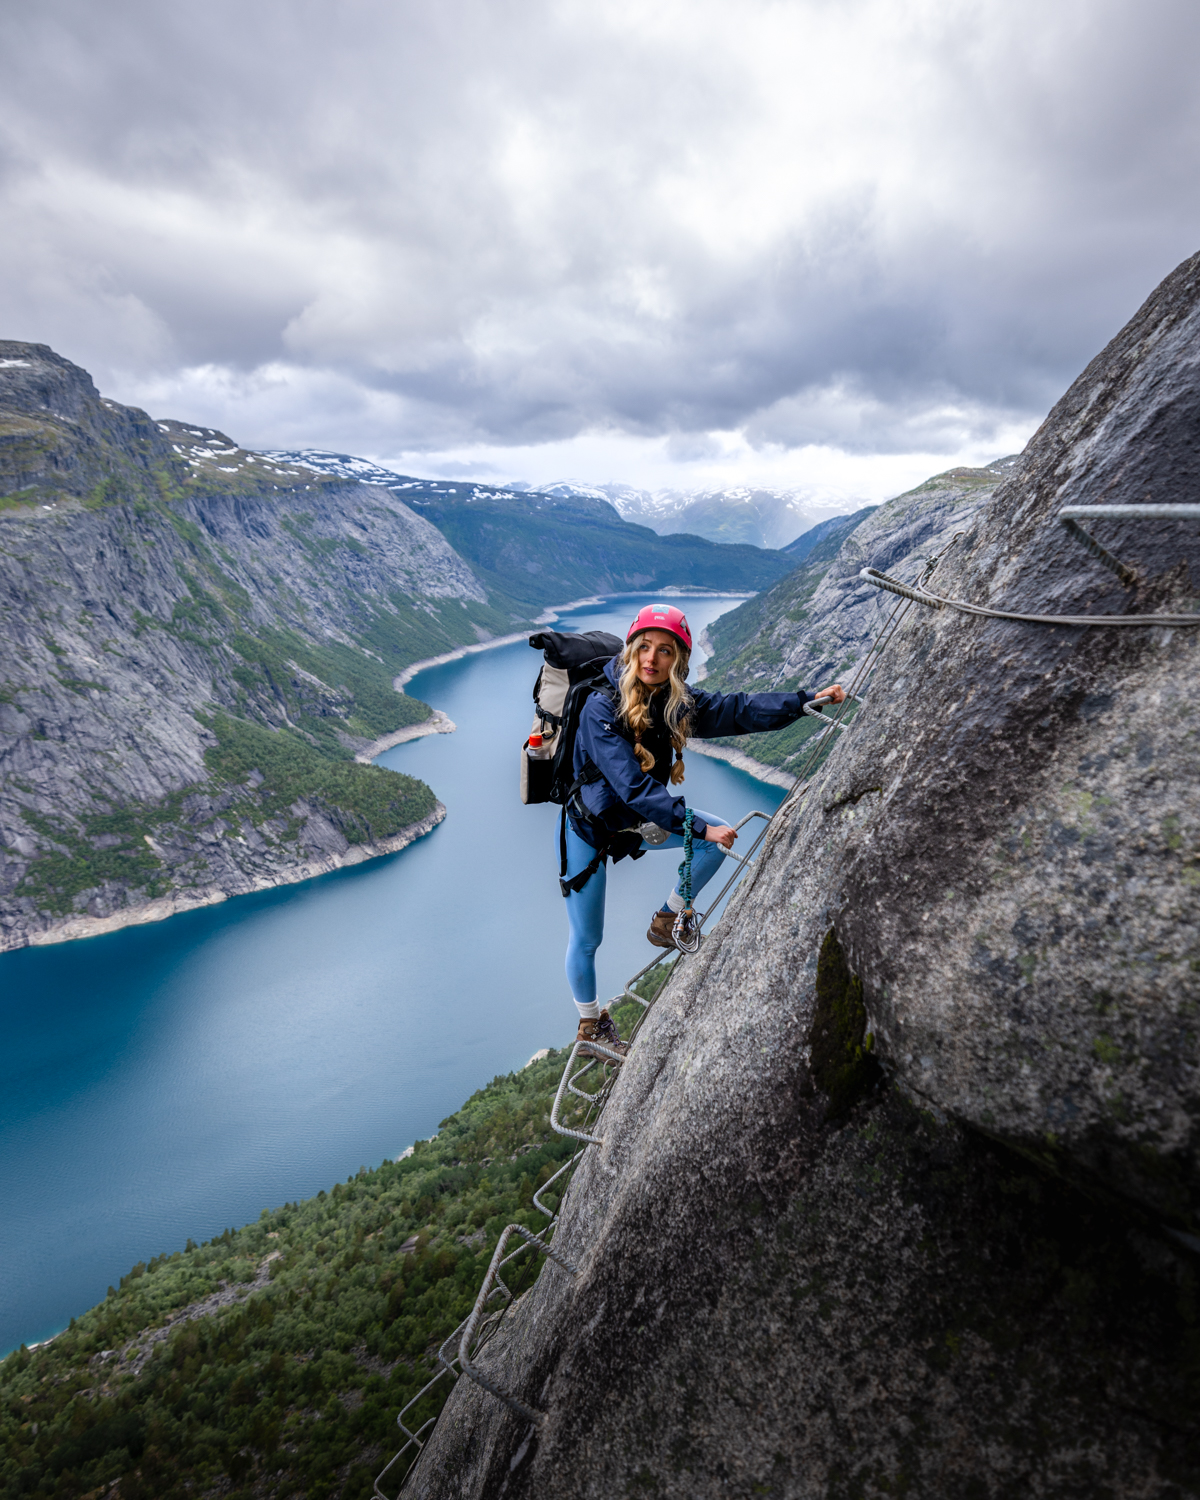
899	1189
168	603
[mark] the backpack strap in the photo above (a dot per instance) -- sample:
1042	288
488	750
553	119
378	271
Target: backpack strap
586	777
576	882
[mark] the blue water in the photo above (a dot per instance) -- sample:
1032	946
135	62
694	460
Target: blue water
170	1080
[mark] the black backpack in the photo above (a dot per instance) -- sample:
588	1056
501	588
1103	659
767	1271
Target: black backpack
572	668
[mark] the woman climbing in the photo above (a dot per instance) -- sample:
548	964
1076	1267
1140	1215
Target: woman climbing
629	745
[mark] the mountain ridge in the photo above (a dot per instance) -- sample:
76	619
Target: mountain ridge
542	546
196	641
759	515
754	515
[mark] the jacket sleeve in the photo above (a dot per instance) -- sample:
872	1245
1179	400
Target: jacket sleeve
717	714
612	755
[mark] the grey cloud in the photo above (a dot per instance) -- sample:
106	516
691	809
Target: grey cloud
512	222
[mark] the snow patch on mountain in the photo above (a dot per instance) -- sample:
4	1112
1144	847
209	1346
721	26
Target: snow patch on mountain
762	517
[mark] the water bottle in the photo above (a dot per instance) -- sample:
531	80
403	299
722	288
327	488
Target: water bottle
536	769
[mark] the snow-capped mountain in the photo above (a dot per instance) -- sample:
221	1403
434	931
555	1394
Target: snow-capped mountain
346	466
763	517
758	516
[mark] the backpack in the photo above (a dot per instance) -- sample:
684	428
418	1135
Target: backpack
572	668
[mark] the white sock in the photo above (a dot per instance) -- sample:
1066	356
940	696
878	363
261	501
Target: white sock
588	1012
675	901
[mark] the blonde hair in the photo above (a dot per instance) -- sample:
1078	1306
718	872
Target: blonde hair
635	704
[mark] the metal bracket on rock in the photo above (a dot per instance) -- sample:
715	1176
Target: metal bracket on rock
493	1287
1071	515
1147	512
567	1081
816	713
492	1283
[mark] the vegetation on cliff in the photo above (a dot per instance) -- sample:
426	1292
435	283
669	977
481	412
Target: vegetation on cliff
334	1309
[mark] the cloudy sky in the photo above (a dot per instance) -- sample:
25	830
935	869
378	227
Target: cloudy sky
829	244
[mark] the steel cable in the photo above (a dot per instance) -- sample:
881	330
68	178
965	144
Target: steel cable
1070	515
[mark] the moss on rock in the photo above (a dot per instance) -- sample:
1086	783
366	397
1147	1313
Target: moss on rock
839	1043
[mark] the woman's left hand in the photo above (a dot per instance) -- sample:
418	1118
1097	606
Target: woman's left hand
835	694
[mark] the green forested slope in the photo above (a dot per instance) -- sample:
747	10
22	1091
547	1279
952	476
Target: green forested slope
342	1301
539	548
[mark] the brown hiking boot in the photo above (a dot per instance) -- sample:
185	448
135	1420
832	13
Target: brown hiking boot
602	1031
606	1032
659	932
588	1028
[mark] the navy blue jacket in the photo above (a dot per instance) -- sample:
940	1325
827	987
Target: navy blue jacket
627	795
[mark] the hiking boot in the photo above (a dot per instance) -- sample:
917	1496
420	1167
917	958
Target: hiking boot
659	932
602	1031
589	1031
606	1032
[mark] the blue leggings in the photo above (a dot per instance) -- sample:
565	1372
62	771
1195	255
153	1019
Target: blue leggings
585	908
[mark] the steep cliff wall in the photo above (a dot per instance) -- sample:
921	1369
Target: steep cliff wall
194	641
900	1187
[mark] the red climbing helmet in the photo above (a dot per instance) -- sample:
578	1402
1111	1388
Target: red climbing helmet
661	617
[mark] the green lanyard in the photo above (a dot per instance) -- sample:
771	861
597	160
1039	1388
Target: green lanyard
686	930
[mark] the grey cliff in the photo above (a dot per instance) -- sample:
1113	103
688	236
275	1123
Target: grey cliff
899	1191
195	642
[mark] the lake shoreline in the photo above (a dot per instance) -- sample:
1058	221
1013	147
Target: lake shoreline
547	617
80	925
772	775
436	723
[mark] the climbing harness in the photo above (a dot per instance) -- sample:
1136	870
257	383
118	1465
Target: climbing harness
459	1352
686	930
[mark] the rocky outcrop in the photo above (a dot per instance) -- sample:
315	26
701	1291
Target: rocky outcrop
194	643
325	845
817	625
900	1187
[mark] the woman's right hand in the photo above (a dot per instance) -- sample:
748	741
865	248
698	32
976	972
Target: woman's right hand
723	836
